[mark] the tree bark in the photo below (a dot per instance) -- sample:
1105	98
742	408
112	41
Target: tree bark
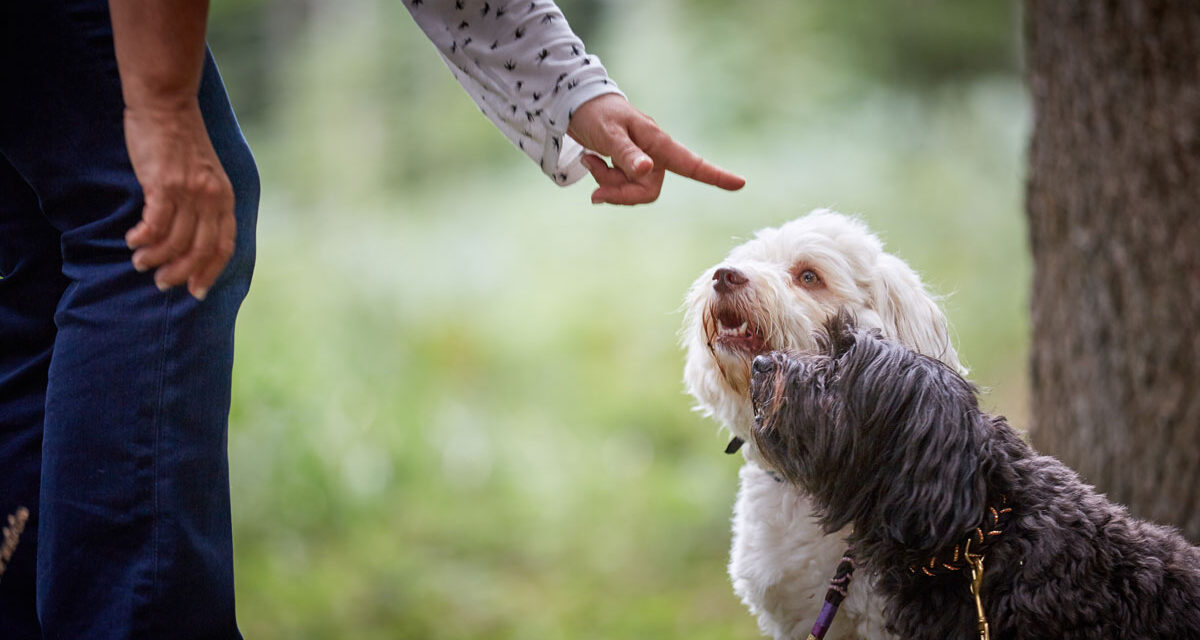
1114	225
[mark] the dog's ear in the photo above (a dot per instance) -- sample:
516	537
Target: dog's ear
910	313
837	335
937	446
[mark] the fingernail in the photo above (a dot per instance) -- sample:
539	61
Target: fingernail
140	266
597	200
162	286
200	294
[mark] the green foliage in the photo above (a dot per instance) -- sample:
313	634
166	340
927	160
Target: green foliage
458	409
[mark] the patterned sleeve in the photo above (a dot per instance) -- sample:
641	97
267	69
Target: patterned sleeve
524	67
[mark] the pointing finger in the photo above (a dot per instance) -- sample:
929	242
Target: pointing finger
678	159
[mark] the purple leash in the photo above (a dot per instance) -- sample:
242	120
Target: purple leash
834	597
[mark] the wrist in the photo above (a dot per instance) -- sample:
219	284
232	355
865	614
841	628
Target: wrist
145	97
585	96
590	116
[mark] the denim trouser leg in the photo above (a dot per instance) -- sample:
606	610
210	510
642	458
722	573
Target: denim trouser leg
33	282
125	389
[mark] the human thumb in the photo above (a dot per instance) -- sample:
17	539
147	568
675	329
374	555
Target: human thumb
630	159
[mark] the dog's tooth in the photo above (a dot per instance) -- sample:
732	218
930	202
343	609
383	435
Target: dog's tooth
742	329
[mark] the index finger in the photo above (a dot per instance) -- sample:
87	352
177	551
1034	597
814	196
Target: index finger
682	161
678	159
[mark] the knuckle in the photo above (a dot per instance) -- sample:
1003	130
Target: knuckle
153	229
172	188
209	187
203	252
657	145
211	184
224	249
616	132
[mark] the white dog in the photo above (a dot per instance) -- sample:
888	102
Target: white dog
773	293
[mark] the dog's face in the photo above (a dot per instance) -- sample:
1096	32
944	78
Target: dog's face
803	425
879	435
775	291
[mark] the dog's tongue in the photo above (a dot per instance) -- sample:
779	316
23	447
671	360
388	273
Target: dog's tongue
734	445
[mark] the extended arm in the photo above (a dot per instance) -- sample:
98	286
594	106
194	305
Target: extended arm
530	75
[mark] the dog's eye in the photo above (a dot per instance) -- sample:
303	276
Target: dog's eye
808	278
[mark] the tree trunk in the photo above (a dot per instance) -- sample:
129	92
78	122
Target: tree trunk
1114	225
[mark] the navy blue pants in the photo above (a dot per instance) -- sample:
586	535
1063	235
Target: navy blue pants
114	397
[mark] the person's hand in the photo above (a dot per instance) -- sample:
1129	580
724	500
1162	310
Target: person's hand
641	153
187	229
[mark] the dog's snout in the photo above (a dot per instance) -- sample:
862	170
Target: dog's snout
763	365
728	279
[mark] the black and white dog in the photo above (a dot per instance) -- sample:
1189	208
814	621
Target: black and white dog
893	443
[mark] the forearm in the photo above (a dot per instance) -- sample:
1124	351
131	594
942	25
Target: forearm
187	230
523	66
159	47
529	74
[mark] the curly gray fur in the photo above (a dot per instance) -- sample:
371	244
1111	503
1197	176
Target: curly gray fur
894	443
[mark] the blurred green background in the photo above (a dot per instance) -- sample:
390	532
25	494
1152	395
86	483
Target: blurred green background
458	408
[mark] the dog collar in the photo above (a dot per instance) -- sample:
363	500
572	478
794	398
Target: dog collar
736	443
964	557
958	559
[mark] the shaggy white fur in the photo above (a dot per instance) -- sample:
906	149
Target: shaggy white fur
773	293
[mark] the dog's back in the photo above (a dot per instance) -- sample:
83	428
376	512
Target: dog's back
1069	565
1082	567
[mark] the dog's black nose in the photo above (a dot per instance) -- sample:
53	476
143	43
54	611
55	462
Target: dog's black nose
763	365
728	279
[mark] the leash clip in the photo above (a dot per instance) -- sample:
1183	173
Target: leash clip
976	564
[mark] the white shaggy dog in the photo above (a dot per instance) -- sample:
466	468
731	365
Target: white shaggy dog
773	293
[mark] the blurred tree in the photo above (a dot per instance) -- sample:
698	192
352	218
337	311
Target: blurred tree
1112	205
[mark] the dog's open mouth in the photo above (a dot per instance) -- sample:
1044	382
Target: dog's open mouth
738	333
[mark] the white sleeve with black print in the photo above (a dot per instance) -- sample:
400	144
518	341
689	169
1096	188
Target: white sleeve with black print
524	67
